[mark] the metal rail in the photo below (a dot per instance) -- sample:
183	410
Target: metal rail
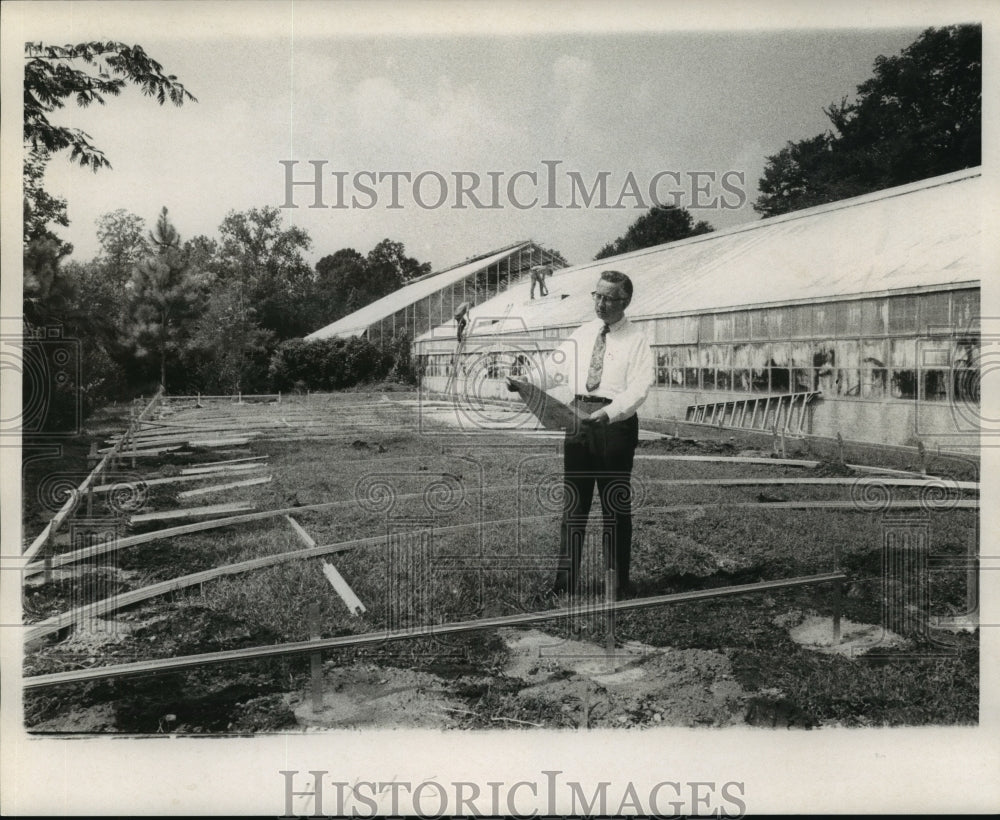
70	504
455	627
876	505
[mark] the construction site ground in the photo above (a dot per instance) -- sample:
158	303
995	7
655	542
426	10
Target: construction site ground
458	514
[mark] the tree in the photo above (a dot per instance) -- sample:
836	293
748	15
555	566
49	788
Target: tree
920	115
123	239
342	285
388	263
660	224
347	281
167	294
203	253
41	209
53	73
46	290
87	73
124	245
228	348
265	260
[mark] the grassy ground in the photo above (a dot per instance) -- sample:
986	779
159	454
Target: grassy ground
487	508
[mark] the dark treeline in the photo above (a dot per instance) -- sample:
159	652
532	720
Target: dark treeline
918	116
194	314
210	314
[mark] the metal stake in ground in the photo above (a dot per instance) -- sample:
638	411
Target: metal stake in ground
610	578
136	428
315	662
838	591
92	462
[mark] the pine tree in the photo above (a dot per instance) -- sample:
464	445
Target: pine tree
167	295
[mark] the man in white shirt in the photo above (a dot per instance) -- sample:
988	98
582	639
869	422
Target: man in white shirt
608	364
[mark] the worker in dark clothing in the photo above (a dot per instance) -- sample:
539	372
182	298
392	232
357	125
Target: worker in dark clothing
462	320
538	274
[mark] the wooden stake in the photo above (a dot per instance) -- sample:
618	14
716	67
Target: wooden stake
343	589
214	509
177	479
218	488
307	539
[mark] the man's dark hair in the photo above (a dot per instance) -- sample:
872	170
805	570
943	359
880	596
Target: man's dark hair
618	278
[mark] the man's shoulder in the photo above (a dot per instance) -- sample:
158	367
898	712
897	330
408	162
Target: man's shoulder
628	327
589	327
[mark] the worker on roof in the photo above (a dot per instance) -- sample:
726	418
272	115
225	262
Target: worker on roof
462	320
538	274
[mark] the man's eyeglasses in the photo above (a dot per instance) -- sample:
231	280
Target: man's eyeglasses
600	297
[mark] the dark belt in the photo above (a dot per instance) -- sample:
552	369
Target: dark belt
592	399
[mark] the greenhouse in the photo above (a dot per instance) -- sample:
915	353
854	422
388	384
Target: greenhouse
858	318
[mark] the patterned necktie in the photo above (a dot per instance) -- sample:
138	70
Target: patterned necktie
597	360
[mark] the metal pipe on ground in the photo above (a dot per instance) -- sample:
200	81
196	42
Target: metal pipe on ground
370	638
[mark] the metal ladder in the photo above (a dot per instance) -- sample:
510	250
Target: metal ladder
457	357
785	411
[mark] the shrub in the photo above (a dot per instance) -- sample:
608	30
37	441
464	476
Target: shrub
333	364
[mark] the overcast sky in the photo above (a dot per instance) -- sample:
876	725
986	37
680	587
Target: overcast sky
306	82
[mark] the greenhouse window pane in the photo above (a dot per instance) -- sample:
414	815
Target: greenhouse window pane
934	312
934	384
848	322
824	320
690	330
903	314
706	329
874	370
759	325
690	363
848	362
662	367
800	319
873	317
723	327
803	379
965	310
778	323
741	325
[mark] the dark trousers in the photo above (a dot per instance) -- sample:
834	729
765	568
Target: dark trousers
601	457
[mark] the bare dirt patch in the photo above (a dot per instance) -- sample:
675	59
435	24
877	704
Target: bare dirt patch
635	685
367	695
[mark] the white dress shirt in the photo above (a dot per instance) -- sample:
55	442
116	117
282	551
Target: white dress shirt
628	366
